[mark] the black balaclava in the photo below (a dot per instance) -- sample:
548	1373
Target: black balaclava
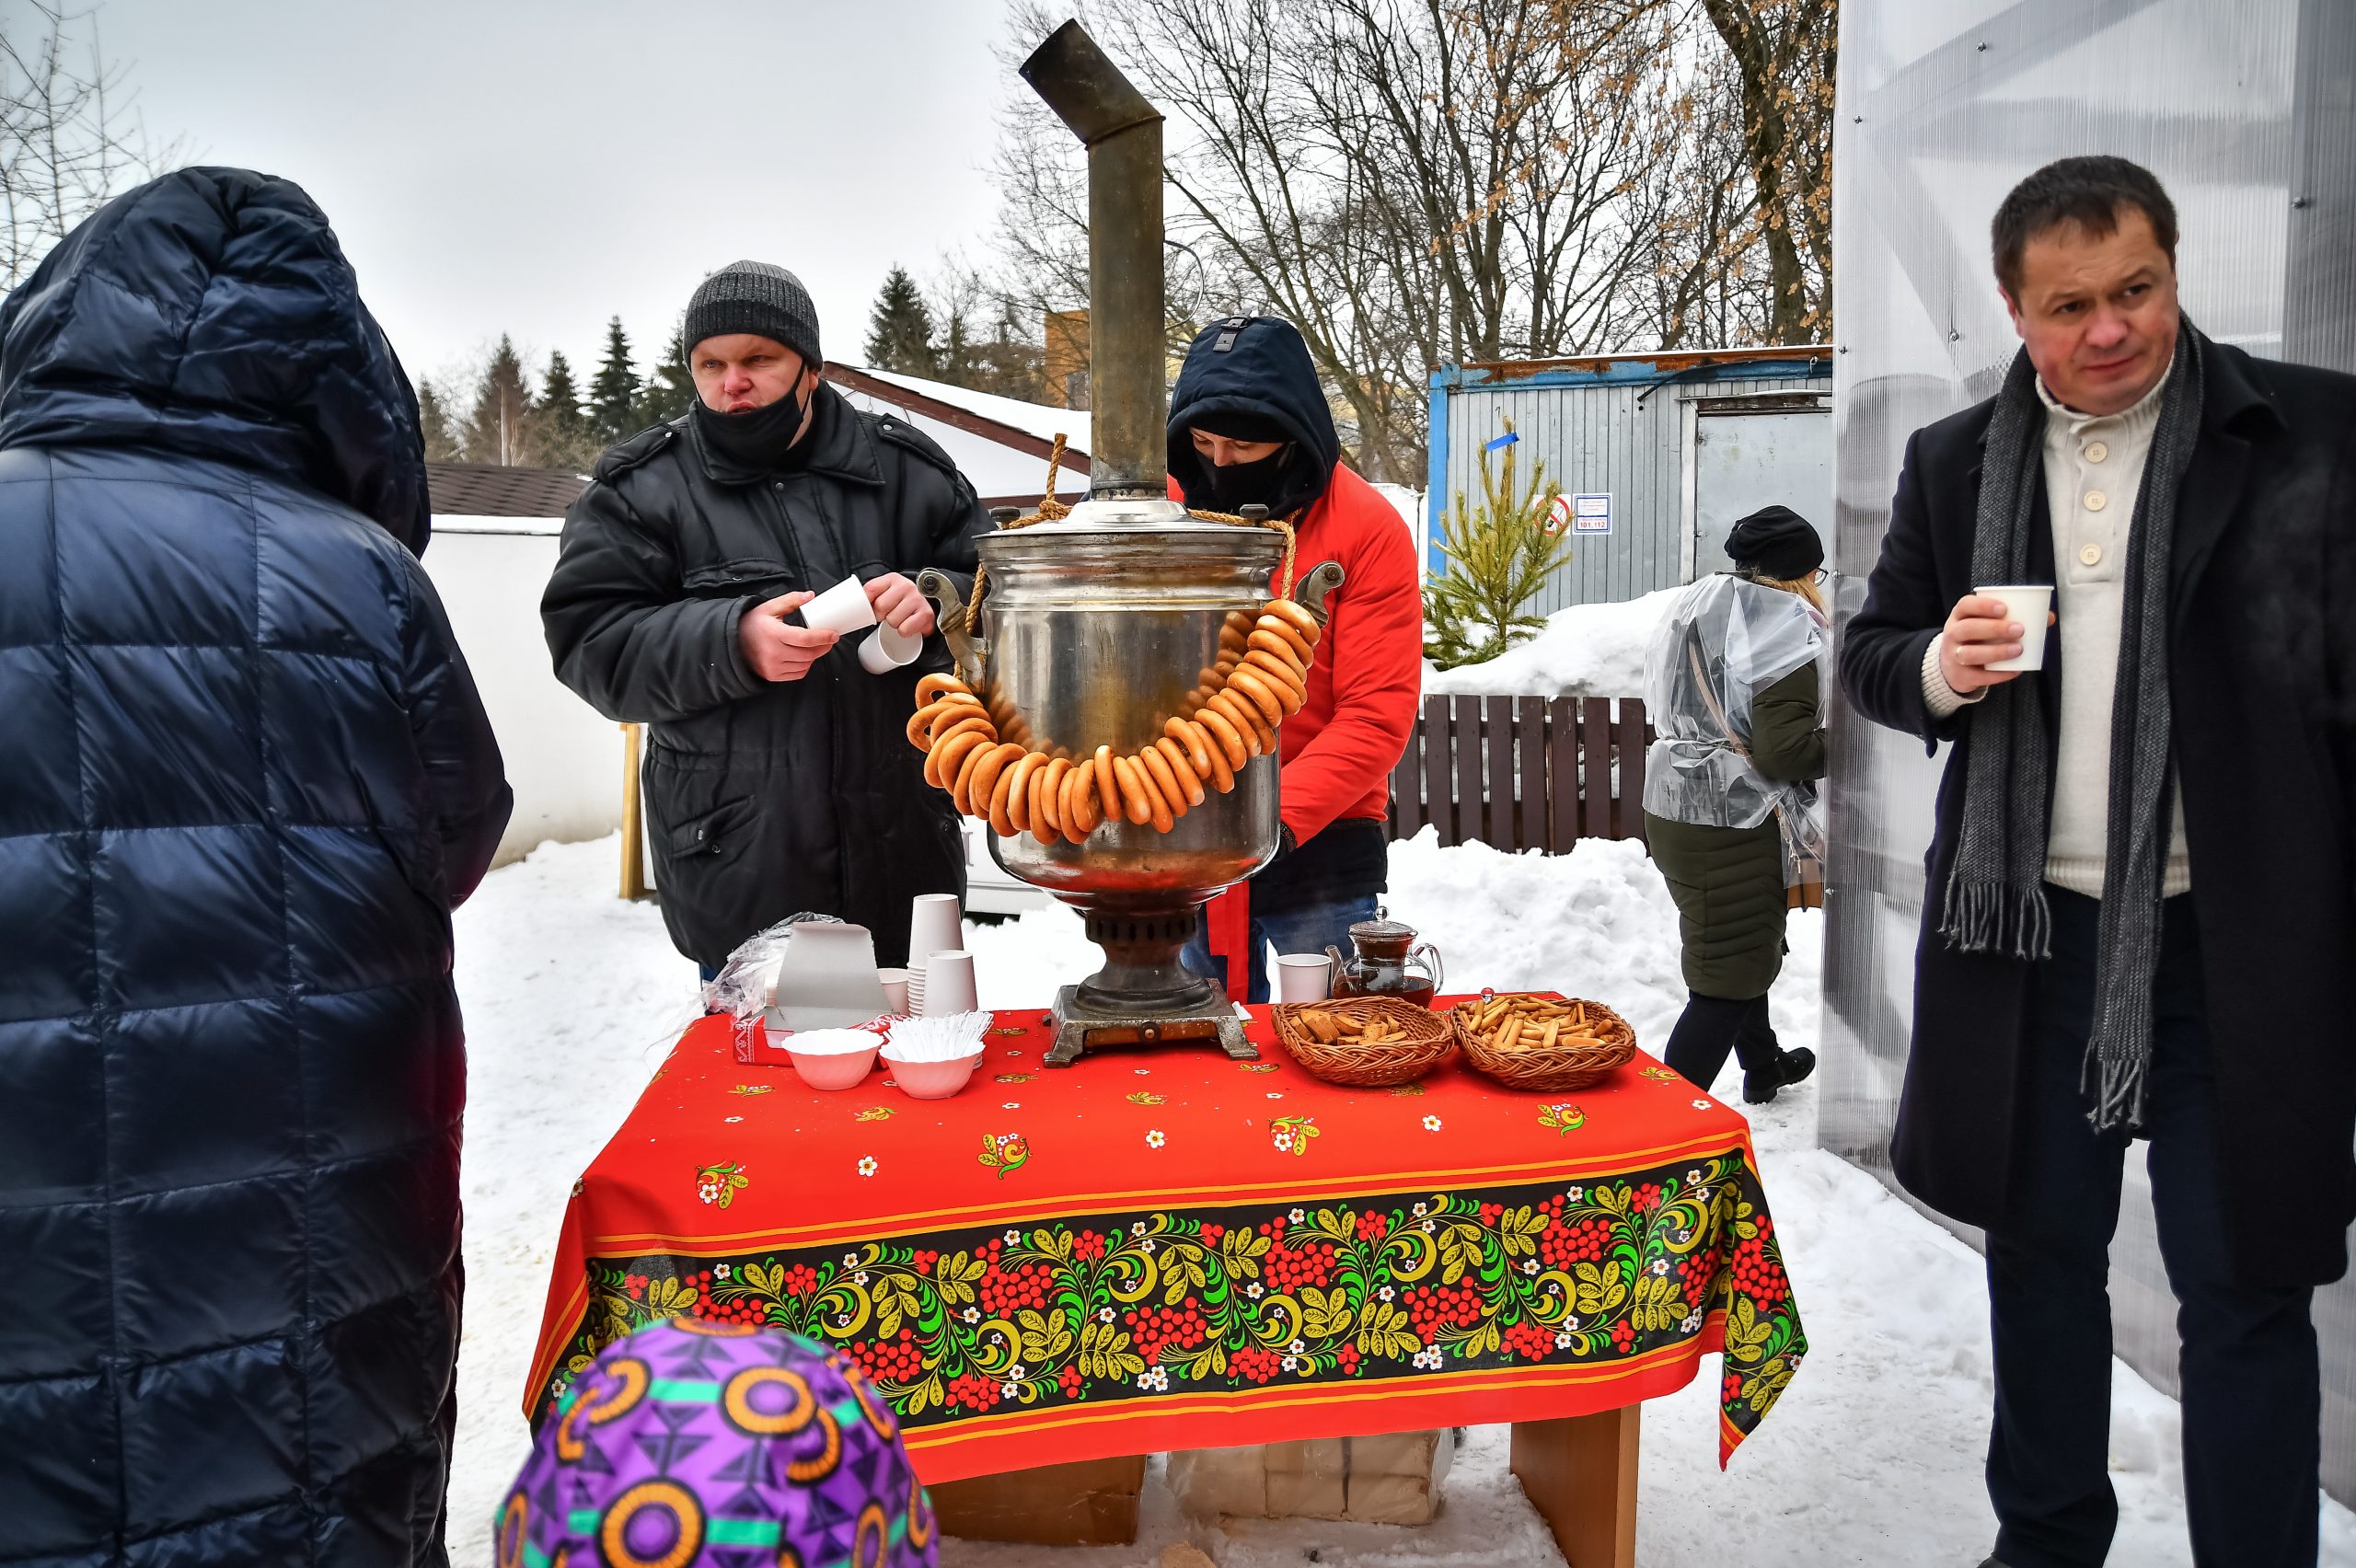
1268	481
757	440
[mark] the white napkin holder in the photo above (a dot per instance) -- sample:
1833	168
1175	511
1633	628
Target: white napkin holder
827	978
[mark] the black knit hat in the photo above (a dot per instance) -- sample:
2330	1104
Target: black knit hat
1777	542
754	296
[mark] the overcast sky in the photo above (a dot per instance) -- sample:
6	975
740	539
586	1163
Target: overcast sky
533	167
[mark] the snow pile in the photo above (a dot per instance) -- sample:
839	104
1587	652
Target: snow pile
1873	1456
1586	650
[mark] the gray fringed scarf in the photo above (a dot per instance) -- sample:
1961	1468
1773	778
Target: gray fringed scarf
1995	894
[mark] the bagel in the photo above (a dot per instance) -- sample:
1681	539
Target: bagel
1252	686
1046	799
1162	809
1108	787
927	686
942	764
1298	617
1246	714
1226	739
922	721
932	774
1220	778
1242	716
981	785
1079	793
961	789
1197	744
1265	639
1137	801
1182	770
1165	782
953	712
1283	672
1018	794
1003	799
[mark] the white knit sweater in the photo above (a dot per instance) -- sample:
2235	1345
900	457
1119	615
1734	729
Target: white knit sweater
2094	468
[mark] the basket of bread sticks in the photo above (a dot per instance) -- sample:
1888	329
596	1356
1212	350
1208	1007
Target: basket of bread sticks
1364	1041
1543	1042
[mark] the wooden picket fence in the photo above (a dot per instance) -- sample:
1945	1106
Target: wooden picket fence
1524	772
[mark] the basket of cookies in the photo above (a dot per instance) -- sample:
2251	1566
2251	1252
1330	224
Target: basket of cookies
1364	1041
1543	1042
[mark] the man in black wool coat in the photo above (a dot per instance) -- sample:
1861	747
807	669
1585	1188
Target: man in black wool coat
2140	919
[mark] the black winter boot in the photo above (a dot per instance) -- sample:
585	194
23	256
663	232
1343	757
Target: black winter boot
1788	1068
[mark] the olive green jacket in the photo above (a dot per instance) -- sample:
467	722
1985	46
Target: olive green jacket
1728	881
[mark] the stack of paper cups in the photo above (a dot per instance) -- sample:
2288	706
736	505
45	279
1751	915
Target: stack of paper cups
949	984
935	925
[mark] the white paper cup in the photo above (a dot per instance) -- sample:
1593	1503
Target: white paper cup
949	984
935	925
886	650
1303	976
842	609
2028	605
895	989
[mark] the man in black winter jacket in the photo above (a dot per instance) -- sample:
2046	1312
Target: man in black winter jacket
779	777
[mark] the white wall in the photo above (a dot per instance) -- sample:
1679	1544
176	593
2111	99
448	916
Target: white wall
564	761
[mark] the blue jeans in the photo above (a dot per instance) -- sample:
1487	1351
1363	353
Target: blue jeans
2252	1402
1308	928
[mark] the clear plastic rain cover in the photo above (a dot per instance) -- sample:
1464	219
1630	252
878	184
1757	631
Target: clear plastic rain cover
1727	640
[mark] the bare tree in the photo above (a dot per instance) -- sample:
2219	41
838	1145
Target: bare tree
70	133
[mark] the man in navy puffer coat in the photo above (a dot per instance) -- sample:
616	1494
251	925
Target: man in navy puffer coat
244	778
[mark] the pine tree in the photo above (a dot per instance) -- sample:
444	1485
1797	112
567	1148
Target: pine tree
899	328
1499	556
561	430
613	394
499	429
433	423
671	390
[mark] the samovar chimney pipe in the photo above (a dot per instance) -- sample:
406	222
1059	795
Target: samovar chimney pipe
1129	404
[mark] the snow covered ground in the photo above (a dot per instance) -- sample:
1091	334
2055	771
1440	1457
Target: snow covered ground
1873	1456
1586	650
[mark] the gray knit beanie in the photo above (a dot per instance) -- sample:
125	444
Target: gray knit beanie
753	296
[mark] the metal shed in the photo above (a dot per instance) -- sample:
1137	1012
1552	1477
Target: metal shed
1660	452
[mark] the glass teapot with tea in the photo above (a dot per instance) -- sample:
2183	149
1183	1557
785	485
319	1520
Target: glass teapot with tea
1386	960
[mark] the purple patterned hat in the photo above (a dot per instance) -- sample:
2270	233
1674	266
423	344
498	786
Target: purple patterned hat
696	1444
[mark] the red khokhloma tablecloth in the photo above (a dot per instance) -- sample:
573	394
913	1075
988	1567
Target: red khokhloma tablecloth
1168	1249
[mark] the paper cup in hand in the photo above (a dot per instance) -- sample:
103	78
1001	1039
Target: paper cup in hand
949	984
1303	976
842	609
887	650
2026	607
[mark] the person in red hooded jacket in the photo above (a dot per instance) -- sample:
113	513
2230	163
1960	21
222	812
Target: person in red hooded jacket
1249	424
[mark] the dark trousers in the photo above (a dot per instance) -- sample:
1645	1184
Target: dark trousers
2252	1400
1710	1027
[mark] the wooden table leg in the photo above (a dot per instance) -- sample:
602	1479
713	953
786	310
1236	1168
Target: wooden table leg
1581	1474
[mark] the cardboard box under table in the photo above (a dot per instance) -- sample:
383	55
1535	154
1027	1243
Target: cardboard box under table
1167	1250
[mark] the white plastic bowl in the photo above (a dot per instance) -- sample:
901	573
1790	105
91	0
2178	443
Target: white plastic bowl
831	1058
933	1080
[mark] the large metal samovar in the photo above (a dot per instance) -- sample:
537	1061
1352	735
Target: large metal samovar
1099	627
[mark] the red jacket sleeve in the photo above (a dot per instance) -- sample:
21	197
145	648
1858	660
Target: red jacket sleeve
1371	662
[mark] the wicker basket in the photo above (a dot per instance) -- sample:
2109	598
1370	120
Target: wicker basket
1555	1069
1425	1041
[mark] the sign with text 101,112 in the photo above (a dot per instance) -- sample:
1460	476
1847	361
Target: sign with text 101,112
1582	514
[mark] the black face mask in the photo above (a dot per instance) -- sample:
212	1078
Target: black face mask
760	440
1239	485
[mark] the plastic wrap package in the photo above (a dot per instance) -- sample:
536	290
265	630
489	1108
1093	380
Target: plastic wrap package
741	987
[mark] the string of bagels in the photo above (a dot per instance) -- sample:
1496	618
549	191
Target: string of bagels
980	750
